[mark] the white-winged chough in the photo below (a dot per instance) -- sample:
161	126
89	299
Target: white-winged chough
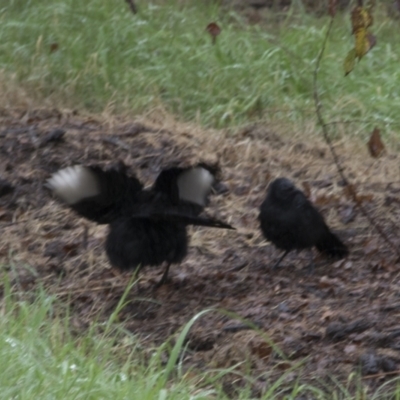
147	226
291	222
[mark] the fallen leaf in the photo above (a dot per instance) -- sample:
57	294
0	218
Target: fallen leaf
214	30
283	365
375	144
262	349
349	62
324	200
54	47
332	7
350	193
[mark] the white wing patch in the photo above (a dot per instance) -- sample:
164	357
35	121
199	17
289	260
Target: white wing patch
74	184
195	185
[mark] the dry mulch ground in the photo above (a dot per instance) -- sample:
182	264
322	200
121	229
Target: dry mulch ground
341	317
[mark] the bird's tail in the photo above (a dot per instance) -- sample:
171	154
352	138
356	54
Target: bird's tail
331	246
204	221
174	215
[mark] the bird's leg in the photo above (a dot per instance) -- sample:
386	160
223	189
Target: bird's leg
280	259
311	265
163	278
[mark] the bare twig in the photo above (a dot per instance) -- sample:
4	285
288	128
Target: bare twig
382	374
132	6
324	127
358	121
85	237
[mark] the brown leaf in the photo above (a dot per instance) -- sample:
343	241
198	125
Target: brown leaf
214	30
361	43
284	365
349	62
361	18
332	7
262	349
70	249
54	47
350	192
132	6
375	144
324	200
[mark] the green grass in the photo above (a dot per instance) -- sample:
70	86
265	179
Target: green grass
163	55
42	359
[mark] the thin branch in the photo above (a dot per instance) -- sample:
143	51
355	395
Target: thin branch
324	126
359	121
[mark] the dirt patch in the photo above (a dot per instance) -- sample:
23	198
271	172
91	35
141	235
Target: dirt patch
337	319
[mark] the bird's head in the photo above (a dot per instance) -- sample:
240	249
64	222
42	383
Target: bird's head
281	189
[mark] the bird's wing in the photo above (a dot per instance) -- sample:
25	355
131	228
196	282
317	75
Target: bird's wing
310	219
93	193
186	184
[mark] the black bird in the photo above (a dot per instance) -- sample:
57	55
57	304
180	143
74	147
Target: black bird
147	226
291	222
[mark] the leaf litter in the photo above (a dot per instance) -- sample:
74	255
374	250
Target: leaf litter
334	321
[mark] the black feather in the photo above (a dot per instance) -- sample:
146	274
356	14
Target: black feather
289	220
117	193
139	242
147	226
